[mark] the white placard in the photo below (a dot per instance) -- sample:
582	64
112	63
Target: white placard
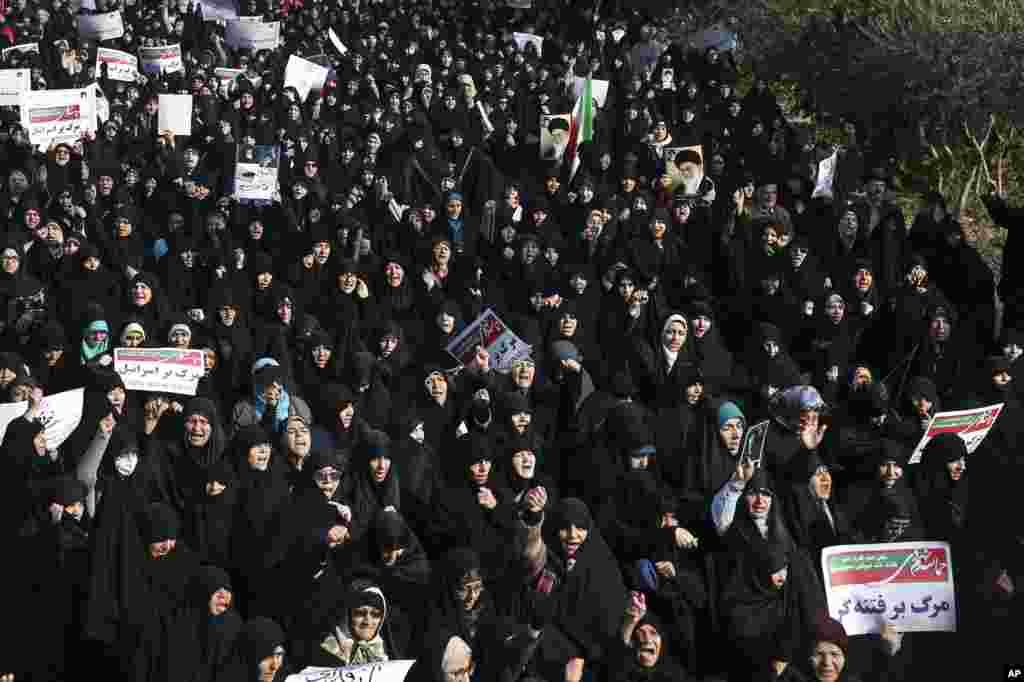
32	48
162	370
175	114
256	169
60	415
489	332
8	413
304	76
121	66
521	39
13	82
108	26
225	74
251	35
598	88
971	425
161	59
826	174
908	585
222	10
54	116
336	41
387	671
554	141
101	103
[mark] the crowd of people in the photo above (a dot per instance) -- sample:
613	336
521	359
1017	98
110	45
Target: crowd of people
341	490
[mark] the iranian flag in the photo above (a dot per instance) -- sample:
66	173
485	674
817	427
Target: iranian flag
581	127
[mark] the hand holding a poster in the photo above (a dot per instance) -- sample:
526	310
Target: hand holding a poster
905	585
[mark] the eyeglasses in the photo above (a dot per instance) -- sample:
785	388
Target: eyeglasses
328	476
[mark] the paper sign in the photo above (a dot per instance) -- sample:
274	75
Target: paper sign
54	116
256	172
554	136
13	82
161	59
28	48
304	76
521	39
223	10
175	114
225	75
336	41
826	174
723	41
520	4
101	102
386	671
690	185
754	440
101	27
971	425
60	414
497	339
905	584
598	88
161	370
121	66
8	413
252	35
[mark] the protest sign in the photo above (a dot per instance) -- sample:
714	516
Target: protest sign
161	59
905	584
252	35
304	76
826	174
121	66
13	82
554	136
336	41
754	440
28	48
256	172
522	39
385	671
101	103
175	114
494	336
162	370
54	116
108	26
690	185
598	88
519	4
219	10
60	414
8	413
971	425
723	41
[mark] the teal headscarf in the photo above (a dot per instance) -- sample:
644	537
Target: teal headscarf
90	353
